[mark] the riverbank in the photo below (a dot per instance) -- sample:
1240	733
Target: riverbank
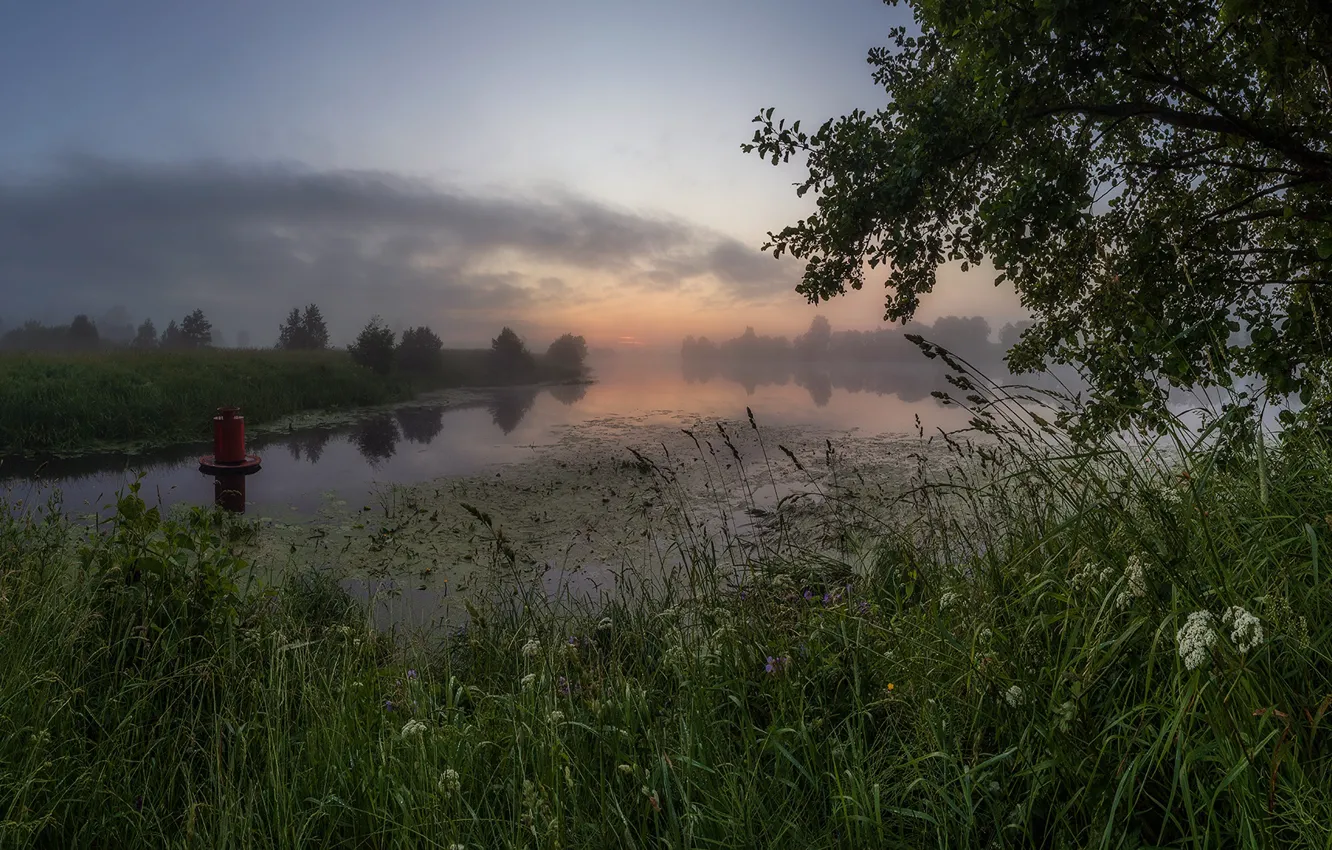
1056	650
127	400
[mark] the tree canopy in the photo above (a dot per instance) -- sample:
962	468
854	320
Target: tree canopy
374	347
196	331
1155	178
303	331
420	350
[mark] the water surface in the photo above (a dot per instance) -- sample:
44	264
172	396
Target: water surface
429	439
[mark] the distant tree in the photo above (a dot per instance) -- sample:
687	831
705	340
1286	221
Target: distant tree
83	333
567	355
172	337
419	351
316	332
303	331
814	343
291	334
196	331
373	348
146	336
510	361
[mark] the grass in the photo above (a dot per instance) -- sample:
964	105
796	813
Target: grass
73	403
1004	662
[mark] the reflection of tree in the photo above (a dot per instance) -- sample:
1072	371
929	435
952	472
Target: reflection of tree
568	393
699	371
376	438
910	381
819	385
309	444
508	407
420	424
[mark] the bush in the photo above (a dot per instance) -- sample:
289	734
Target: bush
373	348
566	356
419	351
510	361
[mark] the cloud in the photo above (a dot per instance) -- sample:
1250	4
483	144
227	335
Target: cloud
248	242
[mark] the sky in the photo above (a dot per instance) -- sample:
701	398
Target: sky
556	167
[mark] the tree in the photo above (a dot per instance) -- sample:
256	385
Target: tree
1154	178
303	331
316	332
510	361
83	333
291	334
196	331
373	348
814	343
146	336
567	355
171	336
419	351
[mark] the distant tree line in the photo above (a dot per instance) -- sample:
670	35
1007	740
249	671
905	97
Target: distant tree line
115	331
420	353
967	336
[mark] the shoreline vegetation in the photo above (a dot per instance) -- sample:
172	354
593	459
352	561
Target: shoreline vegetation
1038	643
78	403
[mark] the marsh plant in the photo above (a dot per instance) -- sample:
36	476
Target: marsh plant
1042	643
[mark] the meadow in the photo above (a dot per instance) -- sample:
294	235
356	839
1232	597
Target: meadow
1049	644
127	399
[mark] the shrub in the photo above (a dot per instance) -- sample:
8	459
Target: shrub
373	348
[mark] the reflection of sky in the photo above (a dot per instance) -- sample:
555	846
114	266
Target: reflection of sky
417	444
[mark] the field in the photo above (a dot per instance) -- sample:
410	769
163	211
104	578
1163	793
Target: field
112	400
1053	647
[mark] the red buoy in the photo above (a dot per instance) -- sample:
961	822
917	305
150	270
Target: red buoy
229	445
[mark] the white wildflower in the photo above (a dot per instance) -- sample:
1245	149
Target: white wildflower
555	717
1246	632
985	635
450	782
948	600
528	681
1014	696
1135	582
604	624
625	769
456	846
413	727
532	648
1195	639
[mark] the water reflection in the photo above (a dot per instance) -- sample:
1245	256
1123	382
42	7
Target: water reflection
420	424
568	394
376	437
508	407
308	444
909	381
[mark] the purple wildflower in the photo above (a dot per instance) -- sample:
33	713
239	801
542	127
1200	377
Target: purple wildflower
863	607
776	664
388	705
562	686
809	595
412	674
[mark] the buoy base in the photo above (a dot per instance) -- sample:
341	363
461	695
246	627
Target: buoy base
211	465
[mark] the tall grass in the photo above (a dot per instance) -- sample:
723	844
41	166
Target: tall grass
73	402
1014	658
